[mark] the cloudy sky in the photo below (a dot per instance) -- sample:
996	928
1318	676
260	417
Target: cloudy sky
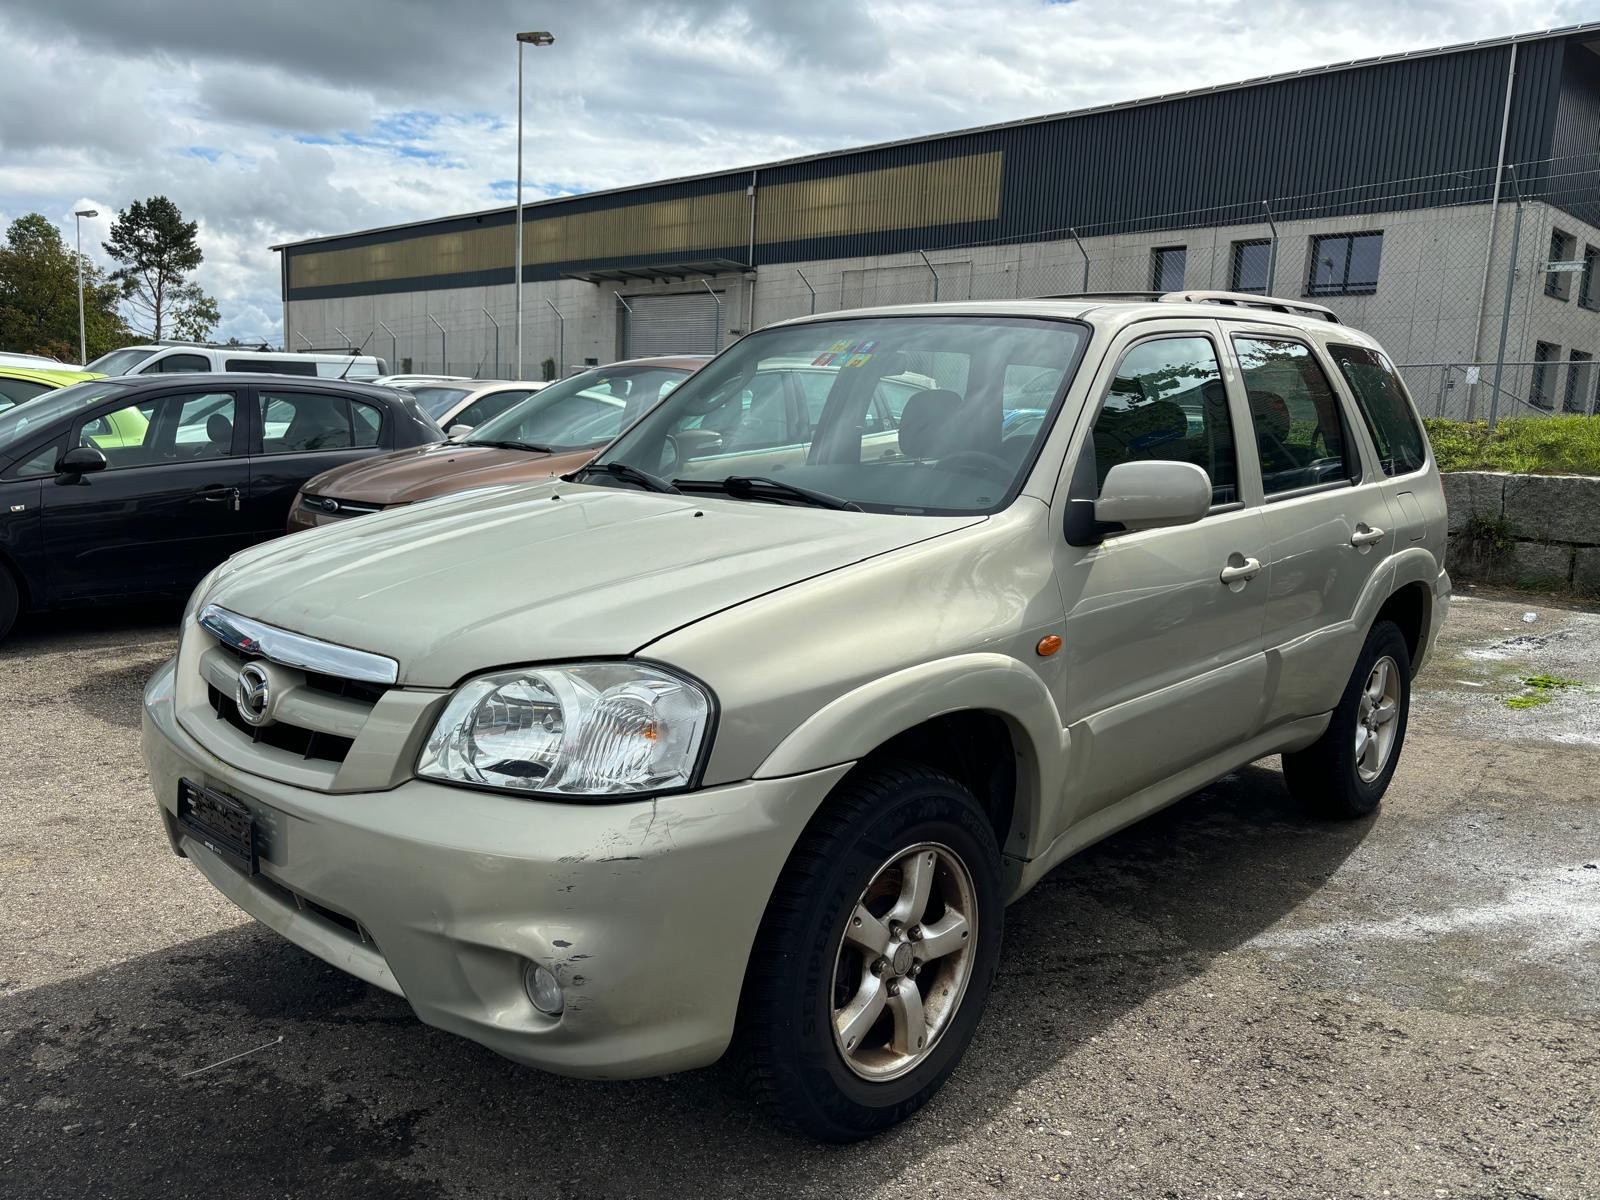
274	122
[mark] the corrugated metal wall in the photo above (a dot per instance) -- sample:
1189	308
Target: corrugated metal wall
1207	159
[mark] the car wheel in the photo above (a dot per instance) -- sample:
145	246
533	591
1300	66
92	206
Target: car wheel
1347	770
875	955
10	600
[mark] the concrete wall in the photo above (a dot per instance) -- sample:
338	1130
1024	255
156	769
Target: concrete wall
1430	307
1539	530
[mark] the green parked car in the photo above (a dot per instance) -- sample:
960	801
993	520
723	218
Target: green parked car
18	385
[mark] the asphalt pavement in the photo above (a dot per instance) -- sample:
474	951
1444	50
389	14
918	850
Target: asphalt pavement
1232	999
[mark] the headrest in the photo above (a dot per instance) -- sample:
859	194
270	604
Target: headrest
1142	429
219	430
925	423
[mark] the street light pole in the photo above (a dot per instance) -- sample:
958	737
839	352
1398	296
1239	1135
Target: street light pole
83	341
536	38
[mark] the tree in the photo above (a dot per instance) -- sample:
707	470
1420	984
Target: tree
39	295
194	314
157	249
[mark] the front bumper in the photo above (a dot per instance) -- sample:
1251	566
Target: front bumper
646	911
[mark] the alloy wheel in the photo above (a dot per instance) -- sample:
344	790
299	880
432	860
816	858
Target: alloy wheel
904	961
1376	715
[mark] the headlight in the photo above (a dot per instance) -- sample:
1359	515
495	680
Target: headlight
583	729
195	597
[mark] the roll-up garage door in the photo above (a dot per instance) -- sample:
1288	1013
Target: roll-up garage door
685	324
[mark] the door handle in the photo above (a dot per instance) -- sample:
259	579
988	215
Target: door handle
1366	535
218	494
1233	573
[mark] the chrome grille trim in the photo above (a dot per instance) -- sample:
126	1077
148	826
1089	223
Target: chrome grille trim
295	649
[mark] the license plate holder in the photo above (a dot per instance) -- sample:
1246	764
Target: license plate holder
219	823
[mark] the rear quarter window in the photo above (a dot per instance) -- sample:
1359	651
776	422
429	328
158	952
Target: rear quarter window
1385	408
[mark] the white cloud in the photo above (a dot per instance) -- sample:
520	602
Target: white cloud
274	123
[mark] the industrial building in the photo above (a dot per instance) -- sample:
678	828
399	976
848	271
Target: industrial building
1445	200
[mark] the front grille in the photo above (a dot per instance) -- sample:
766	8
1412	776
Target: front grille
354	689
307	743
327	506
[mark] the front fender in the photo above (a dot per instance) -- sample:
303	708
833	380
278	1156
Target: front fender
858	722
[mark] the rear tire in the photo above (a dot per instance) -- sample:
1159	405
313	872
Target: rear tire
853	1017
10	600
1345	772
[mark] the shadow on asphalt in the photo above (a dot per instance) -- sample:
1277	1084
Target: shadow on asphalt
106	622
361	1100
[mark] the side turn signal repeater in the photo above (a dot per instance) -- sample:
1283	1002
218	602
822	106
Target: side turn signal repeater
1048	645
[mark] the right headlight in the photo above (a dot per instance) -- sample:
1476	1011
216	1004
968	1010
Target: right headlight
593	729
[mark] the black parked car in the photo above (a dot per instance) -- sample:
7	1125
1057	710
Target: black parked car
135	486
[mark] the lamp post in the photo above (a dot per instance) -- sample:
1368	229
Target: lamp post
537	38
83	341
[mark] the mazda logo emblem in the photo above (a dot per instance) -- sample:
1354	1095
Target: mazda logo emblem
253	694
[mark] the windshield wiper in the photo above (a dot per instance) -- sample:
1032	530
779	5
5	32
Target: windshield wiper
763	487
535	446
631	474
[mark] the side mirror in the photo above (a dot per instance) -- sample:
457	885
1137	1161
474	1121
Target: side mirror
1153	495
81	460
456	432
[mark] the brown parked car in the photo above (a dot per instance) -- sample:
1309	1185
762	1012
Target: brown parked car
551	432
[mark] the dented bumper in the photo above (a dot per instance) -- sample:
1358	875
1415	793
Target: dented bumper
645	911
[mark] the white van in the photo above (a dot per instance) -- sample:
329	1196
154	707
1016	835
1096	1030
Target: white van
180	359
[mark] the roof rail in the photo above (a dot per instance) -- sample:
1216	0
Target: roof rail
1250	300
1104	296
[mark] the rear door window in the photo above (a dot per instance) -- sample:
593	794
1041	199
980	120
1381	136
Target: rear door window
178	364
1301	439
1381	397
306	422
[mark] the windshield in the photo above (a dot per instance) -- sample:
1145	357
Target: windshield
585	410
893	414
436	401
119	362
31	416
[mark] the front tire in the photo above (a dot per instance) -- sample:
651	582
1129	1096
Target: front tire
1347	770
875	955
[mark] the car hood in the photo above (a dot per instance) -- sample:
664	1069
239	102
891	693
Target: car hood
407	476
463	584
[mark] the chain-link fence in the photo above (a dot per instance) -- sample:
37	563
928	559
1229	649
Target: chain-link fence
1491	307
1480	284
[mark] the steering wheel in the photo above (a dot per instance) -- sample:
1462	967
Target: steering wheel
976	462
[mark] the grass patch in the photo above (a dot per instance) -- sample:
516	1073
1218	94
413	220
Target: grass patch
1547	683
1543	691
1488	539
1527	445
1533	701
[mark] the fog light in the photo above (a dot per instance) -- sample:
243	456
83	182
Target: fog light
542	989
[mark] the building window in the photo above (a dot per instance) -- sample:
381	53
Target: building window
1545	356
1562	247
1345	264
1588	285
1251	263
1576	394
1166	268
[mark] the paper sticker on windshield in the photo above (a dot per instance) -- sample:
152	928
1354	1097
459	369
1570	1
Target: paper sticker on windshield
859	360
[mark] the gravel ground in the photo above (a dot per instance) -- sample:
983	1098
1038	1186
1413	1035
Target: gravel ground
1231	999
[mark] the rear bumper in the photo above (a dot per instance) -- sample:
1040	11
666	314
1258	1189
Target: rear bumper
645	911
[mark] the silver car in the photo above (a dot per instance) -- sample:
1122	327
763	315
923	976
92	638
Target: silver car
747	732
